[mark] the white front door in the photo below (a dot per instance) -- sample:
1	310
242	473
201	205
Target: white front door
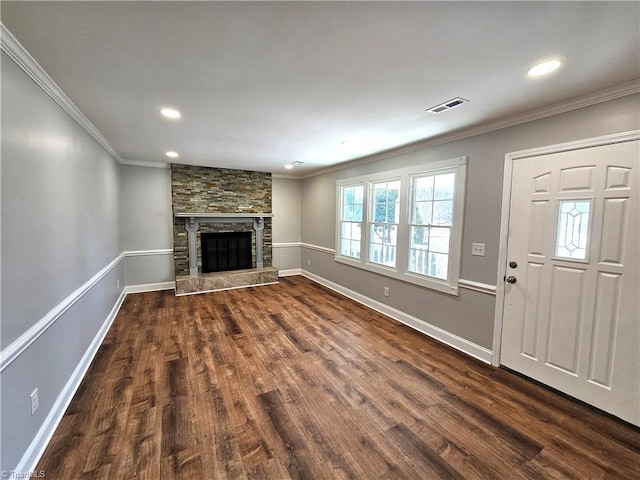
572	299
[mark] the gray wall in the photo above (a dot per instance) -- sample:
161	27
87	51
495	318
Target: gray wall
146	219
471	314
287	195
60	226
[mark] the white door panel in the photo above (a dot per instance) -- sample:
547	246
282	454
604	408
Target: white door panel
572	319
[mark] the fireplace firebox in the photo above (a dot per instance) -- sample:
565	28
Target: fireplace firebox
226	251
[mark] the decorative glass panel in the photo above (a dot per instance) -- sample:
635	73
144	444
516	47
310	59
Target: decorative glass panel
573	229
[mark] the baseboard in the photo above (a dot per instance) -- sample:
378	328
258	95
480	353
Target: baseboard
459	343
149	287
290	272
31	457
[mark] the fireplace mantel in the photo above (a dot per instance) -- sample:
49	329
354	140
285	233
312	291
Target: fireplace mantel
192	221
219	216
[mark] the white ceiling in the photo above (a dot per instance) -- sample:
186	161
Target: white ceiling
262	84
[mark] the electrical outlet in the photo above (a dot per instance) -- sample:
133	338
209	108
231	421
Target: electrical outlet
308	263
386	291
477	249
117	284
35	402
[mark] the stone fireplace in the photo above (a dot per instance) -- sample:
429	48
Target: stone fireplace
221	204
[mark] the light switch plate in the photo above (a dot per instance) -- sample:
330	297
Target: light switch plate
477	249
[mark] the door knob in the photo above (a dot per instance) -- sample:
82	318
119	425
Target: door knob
511	279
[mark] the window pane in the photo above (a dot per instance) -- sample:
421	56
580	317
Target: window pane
439	240
422	213
443	212
348	212
438	265
348	195
357	213
382	244
352	203
418	249
444	186
573	229
423	188
350	233
385	199
419	237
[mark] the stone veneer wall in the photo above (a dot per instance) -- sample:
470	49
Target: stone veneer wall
217	190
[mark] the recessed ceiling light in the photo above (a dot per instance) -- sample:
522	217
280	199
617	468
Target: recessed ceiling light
543	68
289	166
172	154
170	112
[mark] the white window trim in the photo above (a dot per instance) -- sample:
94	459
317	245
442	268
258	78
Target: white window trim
401	270
339	213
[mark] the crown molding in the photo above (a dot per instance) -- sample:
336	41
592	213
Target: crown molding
593	98
14	49
138	163
285	176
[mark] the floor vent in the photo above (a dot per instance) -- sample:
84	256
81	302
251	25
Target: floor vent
448	105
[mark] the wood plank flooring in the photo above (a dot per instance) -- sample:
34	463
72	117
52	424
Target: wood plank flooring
295	381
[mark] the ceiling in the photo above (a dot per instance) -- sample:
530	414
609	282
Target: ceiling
263	84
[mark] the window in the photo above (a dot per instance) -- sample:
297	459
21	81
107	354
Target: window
351	211
385	217
407	226
573	229
430	224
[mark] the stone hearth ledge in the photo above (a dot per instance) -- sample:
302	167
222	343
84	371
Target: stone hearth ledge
211	282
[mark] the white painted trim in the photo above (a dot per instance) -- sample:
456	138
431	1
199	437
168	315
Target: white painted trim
318	248
285	176
19	345
509	158
149	287
31	457
221	217
477	286
290	272
599	96
459	343
286	245
144	253
621	137
223	289
10	45
462	283
137	163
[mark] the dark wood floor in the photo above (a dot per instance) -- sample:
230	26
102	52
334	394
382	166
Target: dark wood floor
295	381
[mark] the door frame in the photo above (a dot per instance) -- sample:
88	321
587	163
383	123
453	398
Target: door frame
509	158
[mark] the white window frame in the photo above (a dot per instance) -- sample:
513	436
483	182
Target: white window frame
340	214
401	270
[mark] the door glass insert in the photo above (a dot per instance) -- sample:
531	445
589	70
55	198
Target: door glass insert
573	229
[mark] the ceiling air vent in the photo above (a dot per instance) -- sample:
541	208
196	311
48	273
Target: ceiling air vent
448	105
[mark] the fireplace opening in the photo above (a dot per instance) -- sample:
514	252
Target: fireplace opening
222	252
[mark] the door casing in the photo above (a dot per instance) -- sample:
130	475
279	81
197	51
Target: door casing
509	158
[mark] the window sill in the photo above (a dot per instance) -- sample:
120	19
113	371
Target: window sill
443	287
